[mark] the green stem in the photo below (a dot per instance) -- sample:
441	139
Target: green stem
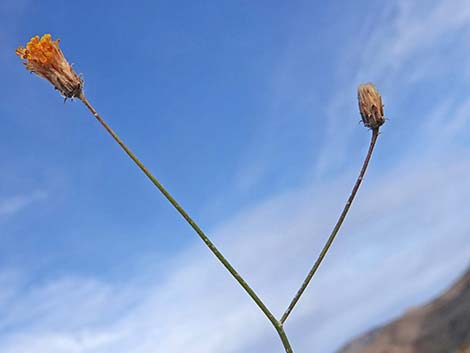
193	224
375	134
283	336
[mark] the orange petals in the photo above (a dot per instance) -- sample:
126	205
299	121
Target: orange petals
44	57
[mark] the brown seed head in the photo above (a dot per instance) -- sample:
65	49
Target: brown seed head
370	105
44	58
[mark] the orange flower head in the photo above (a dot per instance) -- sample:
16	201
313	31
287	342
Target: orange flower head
44	57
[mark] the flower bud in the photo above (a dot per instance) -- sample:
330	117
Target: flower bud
45	59
370	105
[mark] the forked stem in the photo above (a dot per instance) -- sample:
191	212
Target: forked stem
375	134
283	336
277	325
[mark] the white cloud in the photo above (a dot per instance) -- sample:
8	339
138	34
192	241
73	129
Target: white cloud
408	43
415	29
403	228
11	205
448	120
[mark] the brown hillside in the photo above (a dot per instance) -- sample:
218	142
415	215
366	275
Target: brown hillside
442	326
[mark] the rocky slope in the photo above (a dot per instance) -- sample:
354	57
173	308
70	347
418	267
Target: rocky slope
442	326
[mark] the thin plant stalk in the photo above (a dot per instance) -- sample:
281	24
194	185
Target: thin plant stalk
277	325
44	57
316	265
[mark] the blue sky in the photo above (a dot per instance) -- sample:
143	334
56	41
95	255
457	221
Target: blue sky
246	111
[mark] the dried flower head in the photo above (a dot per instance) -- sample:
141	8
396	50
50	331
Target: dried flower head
44	58
370	105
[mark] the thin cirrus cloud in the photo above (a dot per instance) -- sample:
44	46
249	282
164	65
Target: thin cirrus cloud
395	222
14	204
196	307
399	55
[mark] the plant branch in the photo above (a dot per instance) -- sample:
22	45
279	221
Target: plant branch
283	336
193	224
375	134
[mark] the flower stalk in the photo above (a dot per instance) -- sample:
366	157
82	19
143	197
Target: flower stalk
371	109
331	238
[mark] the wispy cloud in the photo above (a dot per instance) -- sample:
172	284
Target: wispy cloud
413	32
405	46
401	221
197	308
12	205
